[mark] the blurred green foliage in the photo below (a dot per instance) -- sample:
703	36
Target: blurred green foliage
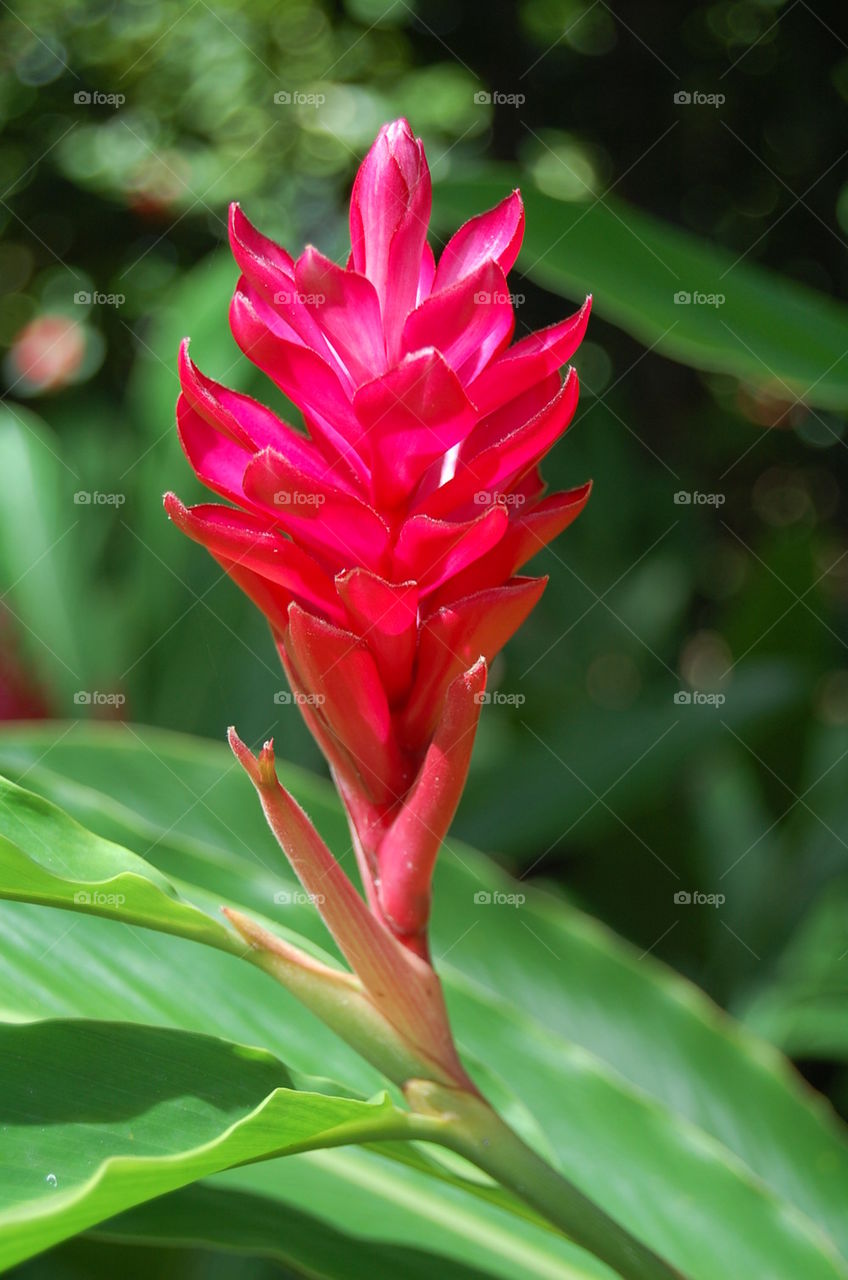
599	781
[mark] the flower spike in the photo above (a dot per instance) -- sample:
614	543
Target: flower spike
383	544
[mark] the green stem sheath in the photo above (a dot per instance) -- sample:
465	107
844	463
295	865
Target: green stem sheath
445	1106
470	1127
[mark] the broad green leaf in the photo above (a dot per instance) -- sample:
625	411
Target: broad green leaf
151	900
387	1230
100	1116
773	332
48	858
47	842
648	1099
56	862
132	974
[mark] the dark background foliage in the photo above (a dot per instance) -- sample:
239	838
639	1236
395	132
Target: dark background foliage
591	776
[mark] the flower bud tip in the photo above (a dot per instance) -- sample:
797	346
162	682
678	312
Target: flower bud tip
245	757
267	769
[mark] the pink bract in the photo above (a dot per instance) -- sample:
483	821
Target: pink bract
385	547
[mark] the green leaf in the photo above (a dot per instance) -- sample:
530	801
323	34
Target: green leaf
48	858
100	1116
684	1128
56	844
804	1006
777	334
222	1217
38	521
605	748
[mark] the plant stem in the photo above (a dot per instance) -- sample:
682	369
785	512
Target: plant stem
474	1130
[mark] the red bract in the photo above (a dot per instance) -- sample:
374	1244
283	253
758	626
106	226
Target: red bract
384	547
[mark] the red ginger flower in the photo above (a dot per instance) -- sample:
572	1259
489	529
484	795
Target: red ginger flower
384	548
